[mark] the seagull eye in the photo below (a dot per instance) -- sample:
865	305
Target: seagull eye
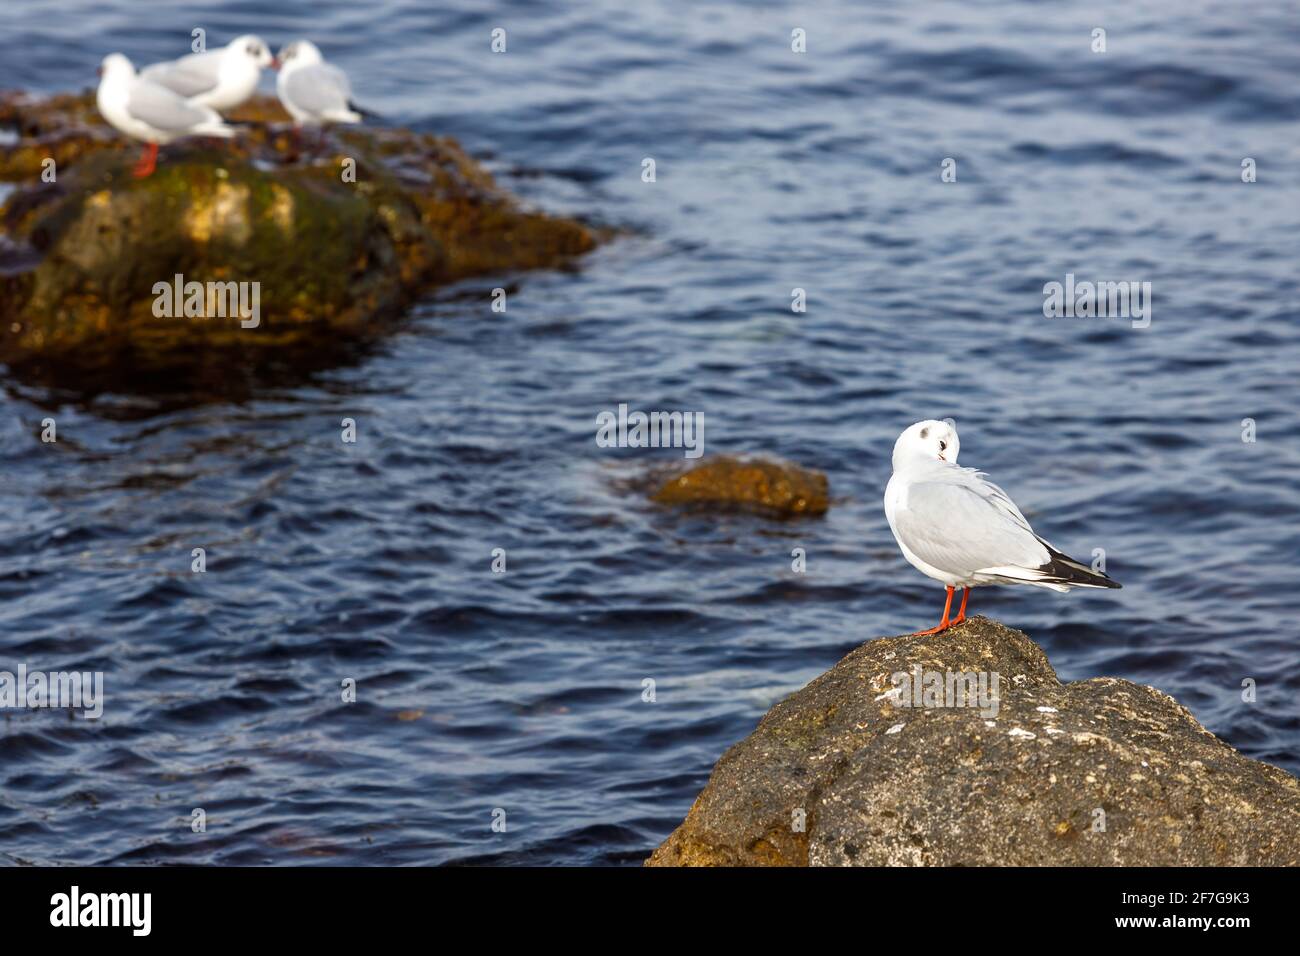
943	445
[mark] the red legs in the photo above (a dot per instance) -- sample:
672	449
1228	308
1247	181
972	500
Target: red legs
945	623
961	615
295	143
299	146
148	162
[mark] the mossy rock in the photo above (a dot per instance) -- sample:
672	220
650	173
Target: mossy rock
764	485
336	256
853	770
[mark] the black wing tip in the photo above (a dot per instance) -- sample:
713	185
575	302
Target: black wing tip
1064	569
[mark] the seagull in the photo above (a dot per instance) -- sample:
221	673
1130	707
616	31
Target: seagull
313	92
221	79
146	111
957	527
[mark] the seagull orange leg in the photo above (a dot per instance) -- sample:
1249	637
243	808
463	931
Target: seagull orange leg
944	624
148	162
961	614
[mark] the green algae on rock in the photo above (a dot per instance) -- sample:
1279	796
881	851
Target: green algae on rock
755	484
1099	772
337	246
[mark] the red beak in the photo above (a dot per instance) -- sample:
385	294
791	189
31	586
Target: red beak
275	63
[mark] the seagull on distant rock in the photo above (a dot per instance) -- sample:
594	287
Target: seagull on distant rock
221	79
313	92
962	530
146	111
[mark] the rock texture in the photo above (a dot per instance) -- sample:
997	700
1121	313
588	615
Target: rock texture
338	242
1093	773
755	484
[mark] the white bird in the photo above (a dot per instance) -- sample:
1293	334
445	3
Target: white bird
313	92
221	79
955	526
146	111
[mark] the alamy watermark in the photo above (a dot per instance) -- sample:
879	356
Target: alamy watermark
209	300
1122	300
653	430
58	690
925	688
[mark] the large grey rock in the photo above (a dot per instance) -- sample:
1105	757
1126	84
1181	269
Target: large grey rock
1097	772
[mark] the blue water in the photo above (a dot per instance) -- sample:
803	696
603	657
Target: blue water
522	691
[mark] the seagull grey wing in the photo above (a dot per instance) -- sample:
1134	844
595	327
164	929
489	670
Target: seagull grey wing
999	498
191	75
319	88
339	79
162	109
963	527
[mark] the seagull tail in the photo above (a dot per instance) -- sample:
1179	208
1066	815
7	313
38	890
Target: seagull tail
1060	573
341	116
364	113
1064	570
214	125
215	129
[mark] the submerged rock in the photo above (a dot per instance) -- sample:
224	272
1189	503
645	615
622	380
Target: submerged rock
756	484
1101	772
337	245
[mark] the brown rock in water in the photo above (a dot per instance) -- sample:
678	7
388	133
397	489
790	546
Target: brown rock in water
335	260
749	483
876	783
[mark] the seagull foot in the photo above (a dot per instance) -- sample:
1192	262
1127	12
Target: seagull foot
147	163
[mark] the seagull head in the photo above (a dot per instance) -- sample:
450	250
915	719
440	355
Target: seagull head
253	48
929	440
299	53
115	67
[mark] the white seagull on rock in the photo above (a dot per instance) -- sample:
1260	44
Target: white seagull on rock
313	92
146	111
221	79
957	527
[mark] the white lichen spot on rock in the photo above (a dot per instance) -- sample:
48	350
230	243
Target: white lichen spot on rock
281	209
222	211
1046	710
1019	732
895	729
1087	739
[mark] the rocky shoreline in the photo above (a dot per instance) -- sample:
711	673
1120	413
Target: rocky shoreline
883	761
